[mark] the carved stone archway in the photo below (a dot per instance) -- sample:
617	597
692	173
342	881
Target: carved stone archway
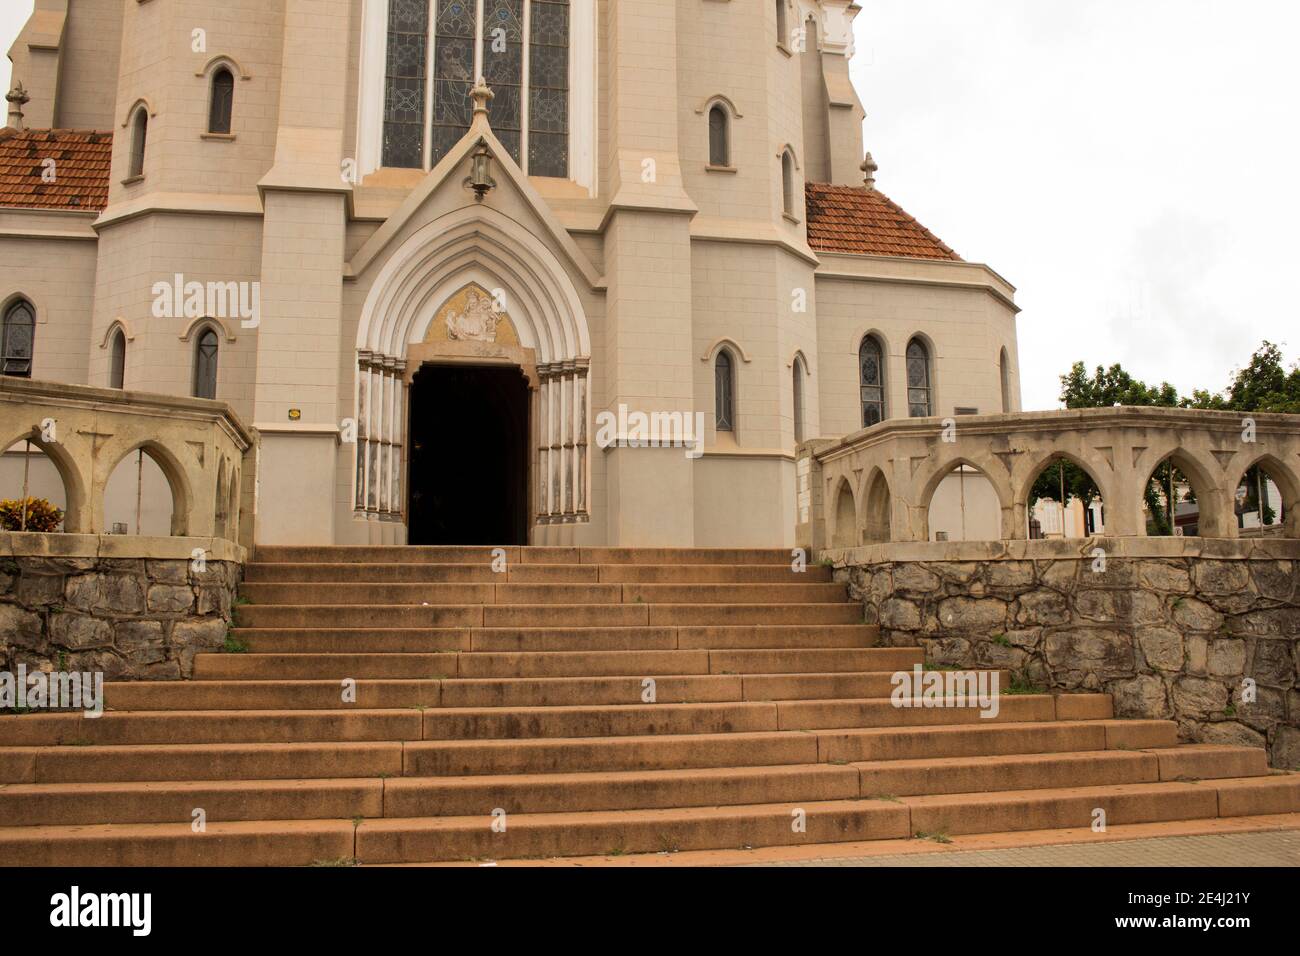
473	287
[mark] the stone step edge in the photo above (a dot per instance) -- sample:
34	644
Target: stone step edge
568	820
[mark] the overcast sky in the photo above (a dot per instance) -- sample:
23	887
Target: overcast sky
1129	165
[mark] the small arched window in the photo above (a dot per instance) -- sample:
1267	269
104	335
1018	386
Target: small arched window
719	137
787	183
920	392
871	381
205	364
17	338
222	106
1004	374
781	23
724	392
798	399
117	360
139	134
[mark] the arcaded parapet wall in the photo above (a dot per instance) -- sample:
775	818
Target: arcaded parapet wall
208	456
1203	632
877	484
124	606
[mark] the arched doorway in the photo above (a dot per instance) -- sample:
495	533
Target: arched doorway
468	467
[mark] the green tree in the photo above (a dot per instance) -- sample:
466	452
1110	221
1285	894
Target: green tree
1264	385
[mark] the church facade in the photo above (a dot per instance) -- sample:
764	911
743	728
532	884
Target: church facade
428	247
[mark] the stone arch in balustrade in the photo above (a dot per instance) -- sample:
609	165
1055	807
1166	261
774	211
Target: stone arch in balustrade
76	516
1207	479
844	533
877	508
1283	477
180	467
1037	461
927	482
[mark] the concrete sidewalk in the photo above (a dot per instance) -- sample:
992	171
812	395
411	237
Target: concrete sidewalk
1268	848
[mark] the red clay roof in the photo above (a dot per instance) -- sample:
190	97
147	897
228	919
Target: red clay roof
862	221
80	169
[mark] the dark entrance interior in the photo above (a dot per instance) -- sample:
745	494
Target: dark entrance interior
468	482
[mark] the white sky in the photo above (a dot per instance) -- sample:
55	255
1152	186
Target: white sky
1129	165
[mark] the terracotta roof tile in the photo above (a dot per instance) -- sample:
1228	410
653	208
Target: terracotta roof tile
862	221
80	171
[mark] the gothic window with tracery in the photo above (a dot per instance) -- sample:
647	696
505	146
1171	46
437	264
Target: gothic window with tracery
437	48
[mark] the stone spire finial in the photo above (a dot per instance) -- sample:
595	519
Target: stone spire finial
17	98
869	167
482	95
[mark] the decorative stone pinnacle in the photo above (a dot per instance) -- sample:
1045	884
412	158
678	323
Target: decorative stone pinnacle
482	95
869	167
17	98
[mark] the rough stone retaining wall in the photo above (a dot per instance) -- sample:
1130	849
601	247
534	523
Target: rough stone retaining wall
1170	628
90	608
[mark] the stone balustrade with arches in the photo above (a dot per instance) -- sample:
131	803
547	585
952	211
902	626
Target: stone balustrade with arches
201	447
877	485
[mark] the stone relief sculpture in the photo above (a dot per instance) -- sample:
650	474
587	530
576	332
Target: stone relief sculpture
477	322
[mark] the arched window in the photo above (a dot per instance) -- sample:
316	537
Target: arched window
117	360
871	381
782	34
1004	374
139	134
920	393
787	183
205	365
798	399
719	138
724	392
223	101
530	111
17	337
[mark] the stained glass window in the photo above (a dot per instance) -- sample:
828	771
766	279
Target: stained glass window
719	153
408	39
455	30
724	393
798	400
223	101
529	82
139	134
919	404
16	339
548	85
871	381
117	366
205	365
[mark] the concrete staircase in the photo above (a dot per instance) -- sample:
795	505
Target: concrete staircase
521	699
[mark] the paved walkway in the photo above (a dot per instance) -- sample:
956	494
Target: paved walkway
1270	848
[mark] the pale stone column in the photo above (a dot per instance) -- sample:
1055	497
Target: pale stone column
305	198
649	343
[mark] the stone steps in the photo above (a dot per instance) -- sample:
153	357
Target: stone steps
482	573
488	692
325	594
238	800
505	664
662	638
381	840
523	691
543	615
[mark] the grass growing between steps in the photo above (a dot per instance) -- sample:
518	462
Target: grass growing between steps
1022	685
938	837
233	645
